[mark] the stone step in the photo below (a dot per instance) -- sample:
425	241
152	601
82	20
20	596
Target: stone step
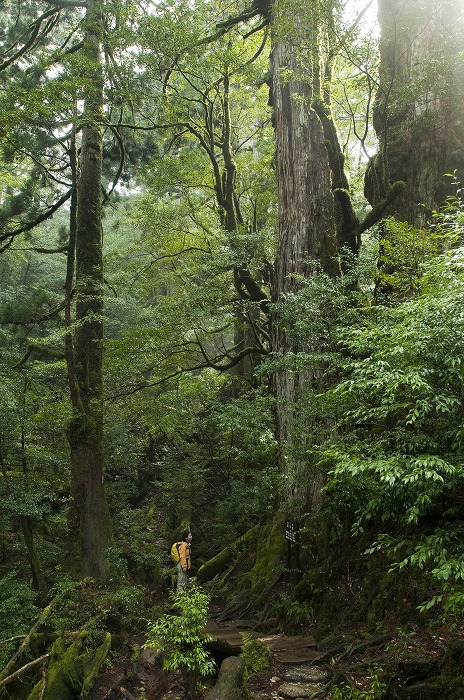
287	650
226	635
280	642
297	656
297	690
307	674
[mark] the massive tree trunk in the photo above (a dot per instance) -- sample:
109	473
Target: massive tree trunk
89	528
306	243
419	112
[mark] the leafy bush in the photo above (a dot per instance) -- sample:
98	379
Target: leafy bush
346	692
126	607
398	453
295	613
182	637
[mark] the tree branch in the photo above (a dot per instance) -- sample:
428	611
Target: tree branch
35	29
43	217
377	211
23	669
45	613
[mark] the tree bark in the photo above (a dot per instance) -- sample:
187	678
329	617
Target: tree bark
306	244
419	111
38	577
88	520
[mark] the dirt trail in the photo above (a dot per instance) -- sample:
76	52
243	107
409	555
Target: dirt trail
294	672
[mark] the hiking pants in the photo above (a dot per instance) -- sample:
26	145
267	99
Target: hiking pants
182	578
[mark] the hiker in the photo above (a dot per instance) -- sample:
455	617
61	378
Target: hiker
183	567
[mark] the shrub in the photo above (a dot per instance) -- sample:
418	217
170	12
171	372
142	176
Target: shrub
182	637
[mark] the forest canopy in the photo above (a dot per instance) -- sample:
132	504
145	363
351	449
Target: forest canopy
231	287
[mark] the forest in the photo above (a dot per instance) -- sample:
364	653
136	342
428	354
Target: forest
232	266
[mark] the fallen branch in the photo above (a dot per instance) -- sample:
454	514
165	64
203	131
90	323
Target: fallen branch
23	669
45	613
44	682
11	639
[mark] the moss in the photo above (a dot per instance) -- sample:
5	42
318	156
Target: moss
256	654
270	556
219	563
135	653
451	688
397	595
73	669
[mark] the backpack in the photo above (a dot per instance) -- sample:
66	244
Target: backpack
175	552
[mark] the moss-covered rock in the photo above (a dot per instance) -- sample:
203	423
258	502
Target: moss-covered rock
257	655
231	683
73	668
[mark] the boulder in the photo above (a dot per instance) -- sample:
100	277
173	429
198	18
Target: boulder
230	684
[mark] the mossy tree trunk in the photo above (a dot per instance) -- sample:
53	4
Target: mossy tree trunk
88	520
419	111
306	243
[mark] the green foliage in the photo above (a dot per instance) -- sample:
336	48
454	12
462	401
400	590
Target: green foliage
172	435
135	534
182	637
257	655
346	692
397	459
404	250
17	612
118	607
245	447
126	608
295	614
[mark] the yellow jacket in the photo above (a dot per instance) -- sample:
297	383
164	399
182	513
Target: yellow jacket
184	556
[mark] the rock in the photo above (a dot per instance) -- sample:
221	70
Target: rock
421	691
230	684
149	657
291	650
418	669
280	642
307	674
298	656
297	690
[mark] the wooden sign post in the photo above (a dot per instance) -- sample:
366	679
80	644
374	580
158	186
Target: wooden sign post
292	535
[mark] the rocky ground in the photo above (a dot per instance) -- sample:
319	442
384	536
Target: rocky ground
300	669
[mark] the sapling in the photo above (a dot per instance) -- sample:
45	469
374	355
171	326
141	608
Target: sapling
182	637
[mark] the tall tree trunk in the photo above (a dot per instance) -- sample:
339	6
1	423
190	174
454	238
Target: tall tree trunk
89	525
419	112
306	243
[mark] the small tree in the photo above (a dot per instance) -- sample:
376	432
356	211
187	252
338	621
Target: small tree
182	638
